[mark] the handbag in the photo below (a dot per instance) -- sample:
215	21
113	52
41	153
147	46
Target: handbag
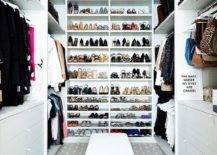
190	43
199	62
207	94
208	44
200	28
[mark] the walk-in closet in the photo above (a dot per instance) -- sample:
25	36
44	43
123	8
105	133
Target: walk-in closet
23	47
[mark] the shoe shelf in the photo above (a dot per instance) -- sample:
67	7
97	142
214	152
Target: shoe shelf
83	80
167	25
58	2
87	15
88	64
89	47
109	67
131	15
130	64
131	80
131	127
88	31
28	5
194	4
131	47
131	31
91	127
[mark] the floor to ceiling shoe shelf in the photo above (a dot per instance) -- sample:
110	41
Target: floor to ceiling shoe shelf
110	67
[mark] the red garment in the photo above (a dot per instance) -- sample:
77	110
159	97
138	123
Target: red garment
32	52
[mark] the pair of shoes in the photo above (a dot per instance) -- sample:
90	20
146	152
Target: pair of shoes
103	124
103	90
117	11
130	26
73	115
100	116
72	123
86	74
92	11
131	11
75	99
78	90
145	26
115	90
73	8
85	124
72	108
72	42
103	57
143	58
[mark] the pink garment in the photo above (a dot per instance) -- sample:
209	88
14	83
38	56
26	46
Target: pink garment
32	52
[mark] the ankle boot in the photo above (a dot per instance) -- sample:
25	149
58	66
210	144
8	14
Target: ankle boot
76	9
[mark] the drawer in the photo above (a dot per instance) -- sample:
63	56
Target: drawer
12	126
36	147
16	146
35	115
35	132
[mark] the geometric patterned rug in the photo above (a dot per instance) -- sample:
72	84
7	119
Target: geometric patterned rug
138	148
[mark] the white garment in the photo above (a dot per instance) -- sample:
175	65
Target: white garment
159	79
169	107
54	67
54	121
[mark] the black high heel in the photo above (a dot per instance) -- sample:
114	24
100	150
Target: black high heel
142	59
105	43
118	43
75	42
96	43
81	42
100	42
70	41
134	42
124	42
147	59
91	42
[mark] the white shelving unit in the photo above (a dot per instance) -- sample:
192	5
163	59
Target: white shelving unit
28	5
110	67
194	4
53	26
167	25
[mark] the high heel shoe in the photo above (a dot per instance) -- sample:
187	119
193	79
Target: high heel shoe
81	42
70	41
75	43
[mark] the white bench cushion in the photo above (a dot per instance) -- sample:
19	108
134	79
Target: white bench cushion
109	144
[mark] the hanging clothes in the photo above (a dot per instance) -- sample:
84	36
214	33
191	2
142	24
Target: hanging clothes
14	56
56	123
56	64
